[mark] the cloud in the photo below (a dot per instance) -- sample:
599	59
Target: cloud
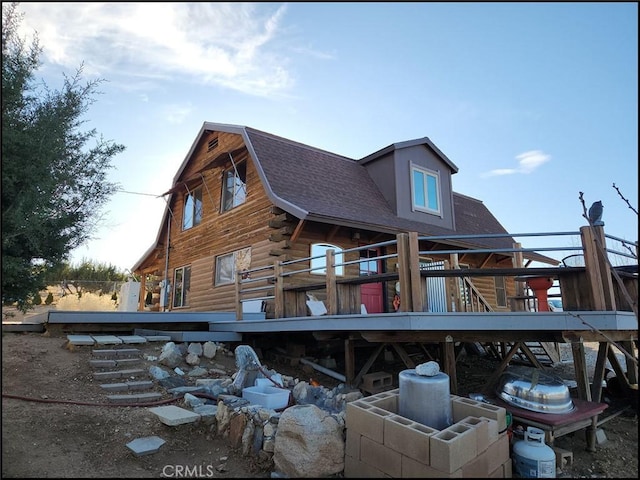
527	163
209	43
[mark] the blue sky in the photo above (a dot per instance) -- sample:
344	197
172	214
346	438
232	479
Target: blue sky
534	102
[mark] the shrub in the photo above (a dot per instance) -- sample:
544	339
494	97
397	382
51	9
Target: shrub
37	299
88	302
49	299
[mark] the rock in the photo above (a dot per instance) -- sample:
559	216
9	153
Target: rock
209	350
170	355
158	373
195	348
429	369
309	443
198	372
192	359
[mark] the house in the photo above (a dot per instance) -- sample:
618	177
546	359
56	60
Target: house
243	199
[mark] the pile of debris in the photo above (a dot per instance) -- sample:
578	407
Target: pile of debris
303	438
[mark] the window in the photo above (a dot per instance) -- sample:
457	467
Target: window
192	215
228	264
234	186
425	190
182	285
319	265
501	292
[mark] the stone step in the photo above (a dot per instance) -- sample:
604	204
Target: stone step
135	398
134	372
128	386
121	362
116	353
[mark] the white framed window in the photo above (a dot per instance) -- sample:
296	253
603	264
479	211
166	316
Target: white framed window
425	190
319	263
234	186
227	265
192	214
181	286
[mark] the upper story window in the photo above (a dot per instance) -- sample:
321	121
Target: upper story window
425	190
234	186
192	214
319	264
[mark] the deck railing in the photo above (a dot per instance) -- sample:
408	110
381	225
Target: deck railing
288	285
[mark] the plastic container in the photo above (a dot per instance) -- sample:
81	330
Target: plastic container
532	458
267	397
425	399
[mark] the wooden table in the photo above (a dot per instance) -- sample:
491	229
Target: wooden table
585	414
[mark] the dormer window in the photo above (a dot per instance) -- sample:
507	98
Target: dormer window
234	186
425	190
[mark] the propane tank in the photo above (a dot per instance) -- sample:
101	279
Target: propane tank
532	458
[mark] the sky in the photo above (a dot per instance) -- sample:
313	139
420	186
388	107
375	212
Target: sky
533	102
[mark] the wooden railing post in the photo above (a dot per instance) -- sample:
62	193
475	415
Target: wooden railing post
597	268
332	288
418	294
517	304
279	291
457	284
404	272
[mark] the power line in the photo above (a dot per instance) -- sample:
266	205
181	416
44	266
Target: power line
139	193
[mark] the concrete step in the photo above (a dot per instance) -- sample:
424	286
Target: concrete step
134	372
135	398
121	362
128	386
115	353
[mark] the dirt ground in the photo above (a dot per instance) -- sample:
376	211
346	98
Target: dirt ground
45	438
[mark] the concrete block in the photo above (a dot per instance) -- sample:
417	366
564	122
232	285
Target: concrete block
133	372
462	407
145	445
601	437
365	419
115	387
157	338
102	363
498	452
124	398
492	429
147	397
126	362
352	444
132	339
172	415
127	352
140	385
106	339
376	382
354	468
80	340
477	467
380	457
452	447
385	400
507	469
564	457
482	431
105	353
107	375
408	437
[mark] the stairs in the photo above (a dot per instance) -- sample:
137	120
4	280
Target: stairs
546	353
119	369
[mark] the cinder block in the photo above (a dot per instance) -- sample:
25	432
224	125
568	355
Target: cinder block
125	362
477	467
408	437
380	457
127	352
452	447
102	363
364	419
497	473
115	387
482	431
110	353
498	452
492	429
414	469
372	382
564	457
462	407
140	385
387	402
507	469
352	444
354	468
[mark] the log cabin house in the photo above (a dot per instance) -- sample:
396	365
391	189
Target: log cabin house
244	199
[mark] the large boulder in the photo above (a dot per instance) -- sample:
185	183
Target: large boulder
309	443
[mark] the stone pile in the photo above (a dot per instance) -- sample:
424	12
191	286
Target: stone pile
305	439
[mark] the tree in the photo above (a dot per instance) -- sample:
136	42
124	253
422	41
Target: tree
53	184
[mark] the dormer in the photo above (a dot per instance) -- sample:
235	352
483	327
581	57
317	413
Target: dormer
415	179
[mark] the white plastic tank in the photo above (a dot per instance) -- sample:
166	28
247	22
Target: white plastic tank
532	458
425	398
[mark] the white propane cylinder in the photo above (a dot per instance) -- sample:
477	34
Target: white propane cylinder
532	458
425	399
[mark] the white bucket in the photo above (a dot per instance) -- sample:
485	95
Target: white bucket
425	399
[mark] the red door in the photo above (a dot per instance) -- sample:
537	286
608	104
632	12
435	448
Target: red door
371	293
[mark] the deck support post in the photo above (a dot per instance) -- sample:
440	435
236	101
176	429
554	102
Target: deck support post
449	355
349	362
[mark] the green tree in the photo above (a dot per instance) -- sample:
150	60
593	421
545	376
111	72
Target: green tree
87	276
48	214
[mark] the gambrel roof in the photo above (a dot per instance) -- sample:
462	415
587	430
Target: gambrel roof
319	186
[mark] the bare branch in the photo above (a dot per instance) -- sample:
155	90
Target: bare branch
623	198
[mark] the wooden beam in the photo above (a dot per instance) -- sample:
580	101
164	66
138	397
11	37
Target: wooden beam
298	230
449	356
349	362
370	361
580	368
488	387
332	288
417	295
332	233
485	261
598	372
402	353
